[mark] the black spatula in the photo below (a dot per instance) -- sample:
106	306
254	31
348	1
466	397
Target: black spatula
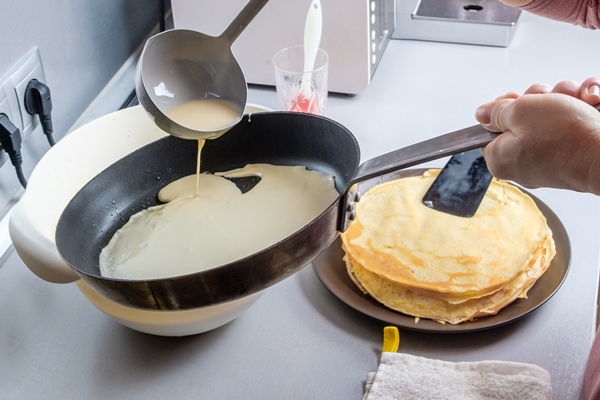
461	185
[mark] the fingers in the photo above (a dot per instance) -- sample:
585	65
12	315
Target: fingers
490	114
538	88
570	88
509	95
590	91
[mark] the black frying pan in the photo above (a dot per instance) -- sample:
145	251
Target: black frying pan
131	184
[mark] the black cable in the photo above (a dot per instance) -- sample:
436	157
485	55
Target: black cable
130	101
38	101
10	139
21	176
161	18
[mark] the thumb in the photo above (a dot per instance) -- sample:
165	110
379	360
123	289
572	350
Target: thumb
491	115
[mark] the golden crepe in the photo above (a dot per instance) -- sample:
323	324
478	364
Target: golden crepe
429	264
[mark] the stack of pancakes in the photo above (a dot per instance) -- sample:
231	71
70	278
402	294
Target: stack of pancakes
429	264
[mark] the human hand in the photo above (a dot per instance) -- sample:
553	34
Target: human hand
551	136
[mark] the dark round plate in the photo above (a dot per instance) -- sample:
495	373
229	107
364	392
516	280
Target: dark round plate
331	270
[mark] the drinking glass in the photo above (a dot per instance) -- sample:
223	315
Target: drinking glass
297	89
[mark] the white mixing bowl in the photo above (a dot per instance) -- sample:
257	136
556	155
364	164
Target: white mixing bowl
59	175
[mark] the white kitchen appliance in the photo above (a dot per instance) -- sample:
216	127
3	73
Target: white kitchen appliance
355	35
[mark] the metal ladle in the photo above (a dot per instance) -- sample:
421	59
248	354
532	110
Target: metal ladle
179	65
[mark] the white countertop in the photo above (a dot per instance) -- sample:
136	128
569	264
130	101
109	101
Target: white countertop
299	341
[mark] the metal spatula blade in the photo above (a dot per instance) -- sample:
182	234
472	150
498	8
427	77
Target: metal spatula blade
461	185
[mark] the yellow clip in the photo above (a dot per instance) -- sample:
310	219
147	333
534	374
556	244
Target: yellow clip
391	339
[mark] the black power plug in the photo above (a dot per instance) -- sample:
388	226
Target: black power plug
38	101
10	139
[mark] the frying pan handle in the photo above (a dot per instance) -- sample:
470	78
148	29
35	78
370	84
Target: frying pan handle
451	143
241	21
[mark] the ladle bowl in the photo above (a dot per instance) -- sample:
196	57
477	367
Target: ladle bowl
178	65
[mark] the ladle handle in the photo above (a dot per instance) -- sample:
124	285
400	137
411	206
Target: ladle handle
241	21
451	143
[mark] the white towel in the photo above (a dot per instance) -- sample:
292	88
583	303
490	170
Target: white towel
406	377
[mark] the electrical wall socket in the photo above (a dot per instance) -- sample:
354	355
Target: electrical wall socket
12	96
15	83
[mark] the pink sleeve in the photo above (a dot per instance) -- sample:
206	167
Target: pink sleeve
585	13
592	371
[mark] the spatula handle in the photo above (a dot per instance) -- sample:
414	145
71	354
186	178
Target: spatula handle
312	40
441	146
451	143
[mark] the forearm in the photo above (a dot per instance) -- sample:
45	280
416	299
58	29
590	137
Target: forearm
585	13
